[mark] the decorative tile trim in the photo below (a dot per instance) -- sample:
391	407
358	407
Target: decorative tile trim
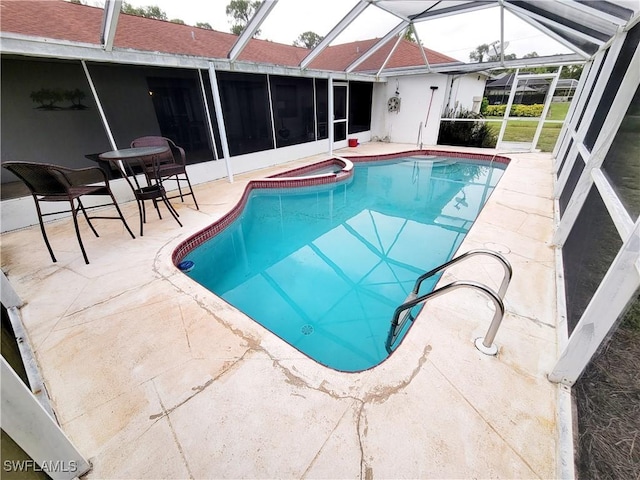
286	180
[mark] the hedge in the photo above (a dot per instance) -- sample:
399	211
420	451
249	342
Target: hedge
516	110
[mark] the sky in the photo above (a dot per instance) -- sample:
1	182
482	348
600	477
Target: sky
455	36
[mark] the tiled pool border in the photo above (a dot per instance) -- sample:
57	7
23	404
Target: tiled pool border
295	178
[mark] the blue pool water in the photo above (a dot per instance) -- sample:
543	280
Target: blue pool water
325	267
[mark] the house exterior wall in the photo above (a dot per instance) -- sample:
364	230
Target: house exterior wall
30	133
415	95
465	92
403	126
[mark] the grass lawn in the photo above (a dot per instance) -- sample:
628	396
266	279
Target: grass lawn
523	131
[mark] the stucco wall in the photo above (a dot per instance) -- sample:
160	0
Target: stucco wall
415	95
461	90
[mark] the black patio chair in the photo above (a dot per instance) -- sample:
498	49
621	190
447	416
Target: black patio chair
170	165
53	183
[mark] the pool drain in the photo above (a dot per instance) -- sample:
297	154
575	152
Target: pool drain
307	329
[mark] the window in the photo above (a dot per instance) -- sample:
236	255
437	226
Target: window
621	165
564	159
322	107
570	186
593	84
292	99
339	112
360	96
610	91
587	254
245	105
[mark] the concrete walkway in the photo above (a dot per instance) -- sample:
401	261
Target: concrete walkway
152	376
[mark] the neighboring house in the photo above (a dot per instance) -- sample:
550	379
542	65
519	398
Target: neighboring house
528	91
157	76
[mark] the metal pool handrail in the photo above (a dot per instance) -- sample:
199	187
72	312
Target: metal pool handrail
485	345
508	271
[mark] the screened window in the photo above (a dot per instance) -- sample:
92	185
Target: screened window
322	107
587	254
212	112
245	105
622	163
339	112
179	109
610	91
593	85
566	154
570	186
360	95
292	99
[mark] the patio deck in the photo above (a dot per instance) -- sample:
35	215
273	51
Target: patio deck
152	376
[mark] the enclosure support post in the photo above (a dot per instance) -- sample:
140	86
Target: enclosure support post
103	117
31	427
330	114
208	116
220	119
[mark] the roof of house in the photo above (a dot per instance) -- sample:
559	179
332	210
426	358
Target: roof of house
61	20
505	81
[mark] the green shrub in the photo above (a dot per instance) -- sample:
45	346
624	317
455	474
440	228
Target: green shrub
495	110
517	110
465	134
527	110
484	105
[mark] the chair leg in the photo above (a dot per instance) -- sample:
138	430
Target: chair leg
74	213
44	233
191	190
155	204
84	212
142	212
173	213
115	204
179	188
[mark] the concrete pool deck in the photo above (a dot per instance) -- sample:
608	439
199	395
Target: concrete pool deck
152	376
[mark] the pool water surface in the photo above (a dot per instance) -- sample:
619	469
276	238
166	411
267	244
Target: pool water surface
325	267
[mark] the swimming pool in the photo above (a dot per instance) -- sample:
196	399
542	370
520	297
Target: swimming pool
324	267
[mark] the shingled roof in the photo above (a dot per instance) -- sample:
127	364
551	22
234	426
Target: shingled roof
61	20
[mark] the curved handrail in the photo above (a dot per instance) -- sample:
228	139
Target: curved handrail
508	271
419	139
487	342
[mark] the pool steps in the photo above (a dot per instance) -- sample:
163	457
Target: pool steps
485	345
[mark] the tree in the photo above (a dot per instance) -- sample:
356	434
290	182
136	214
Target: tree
151	11
483	52
307	39
479	53
178	21
204	25
572	71
241	12
409	35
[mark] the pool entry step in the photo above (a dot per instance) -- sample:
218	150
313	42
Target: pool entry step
403	315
